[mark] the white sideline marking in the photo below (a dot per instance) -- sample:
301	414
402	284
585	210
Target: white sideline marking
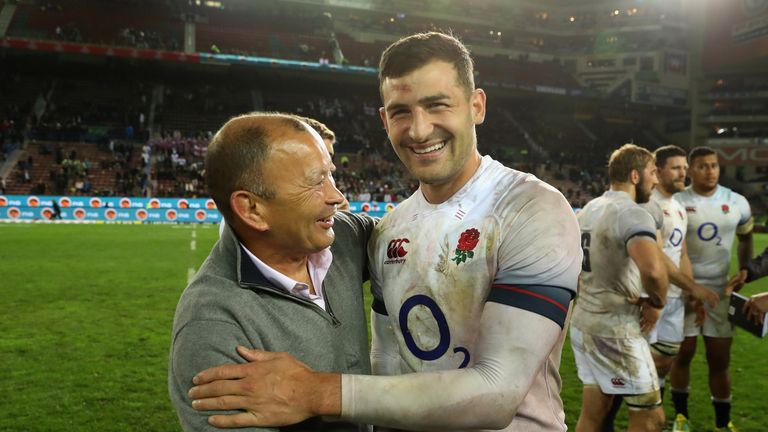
190	274
193	245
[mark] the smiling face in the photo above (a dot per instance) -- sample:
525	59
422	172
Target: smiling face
430	120
299	217
672	174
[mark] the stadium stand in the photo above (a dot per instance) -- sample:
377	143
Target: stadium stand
166	112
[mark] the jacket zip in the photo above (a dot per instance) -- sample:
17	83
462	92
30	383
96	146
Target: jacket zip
327	314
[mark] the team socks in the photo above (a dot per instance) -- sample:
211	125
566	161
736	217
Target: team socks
722	411
680	401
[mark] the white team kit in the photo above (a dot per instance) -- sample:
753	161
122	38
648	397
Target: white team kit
609	347
712	225
669	328
506	238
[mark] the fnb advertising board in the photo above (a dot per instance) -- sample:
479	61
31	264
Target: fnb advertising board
30	208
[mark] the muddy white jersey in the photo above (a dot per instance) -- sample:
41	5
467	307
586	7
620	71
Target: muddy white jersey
712	224
609	276
506	237
673	232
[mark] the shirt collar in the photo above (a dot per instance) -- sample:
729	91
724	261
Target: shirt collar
318	265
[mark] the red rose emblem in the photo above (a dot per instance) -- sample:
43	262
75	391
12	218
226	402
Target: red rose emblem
725	208
467	243
469	239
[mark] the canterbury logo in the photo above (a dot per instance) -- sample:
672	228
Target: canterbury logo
618	382
396	249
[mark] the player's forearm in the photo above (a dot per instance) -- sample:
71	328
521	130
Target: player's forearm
758	267
327	389
485	395
653	270
685	263
655	279
445	400
744	249
656	288
677	277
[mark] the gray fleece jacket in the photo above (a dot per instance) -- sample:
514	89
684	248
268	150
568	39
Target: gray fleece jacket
230	303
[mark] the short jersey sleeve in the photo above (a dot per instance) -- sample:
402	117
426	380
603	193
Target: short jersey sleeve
746	212
635	221
540	256
652	207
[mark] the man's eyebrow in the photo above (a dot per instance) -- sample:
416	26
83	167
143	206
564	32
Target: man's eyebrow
434	98
316	173
423	101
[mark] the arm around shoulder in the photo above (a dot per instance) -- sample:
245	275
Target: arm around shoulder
485	395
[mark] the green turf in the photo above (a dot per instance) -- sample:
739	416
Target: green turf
87	312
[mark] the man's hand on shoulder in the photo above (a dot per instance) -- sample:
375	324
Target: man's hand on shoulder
274	389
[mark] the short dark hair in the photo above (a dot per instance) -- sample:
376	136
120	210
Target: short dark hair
700	151
237	155
625	159
412	52
666	152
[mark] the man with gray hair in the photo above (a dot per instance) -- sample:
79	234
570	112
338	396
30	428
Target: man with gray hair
286	274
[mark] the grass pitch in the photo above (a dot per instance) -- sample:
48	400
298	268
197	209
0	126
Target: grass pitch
87	314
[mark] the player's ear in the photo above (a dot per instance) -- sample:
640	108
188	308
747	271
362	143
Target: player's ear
248	209
383	115
477	100
634	177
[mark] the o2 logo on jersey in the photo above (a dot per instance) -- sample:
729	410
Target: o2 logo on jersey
396	251
676	237
708	232
442	326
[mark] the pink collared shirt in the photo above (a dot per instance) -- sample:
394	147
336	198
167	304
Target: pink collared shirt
318	265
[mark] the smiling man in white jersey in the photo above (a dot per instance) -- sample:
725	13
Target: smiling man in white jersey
472	279
715	215
621	260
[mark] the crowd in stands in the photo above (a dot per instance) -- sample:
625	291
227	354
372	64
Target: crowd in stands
170	163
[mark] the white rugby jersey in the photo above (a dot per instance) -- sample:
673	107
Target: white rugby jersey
712	223
505	237
673	232
609	276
